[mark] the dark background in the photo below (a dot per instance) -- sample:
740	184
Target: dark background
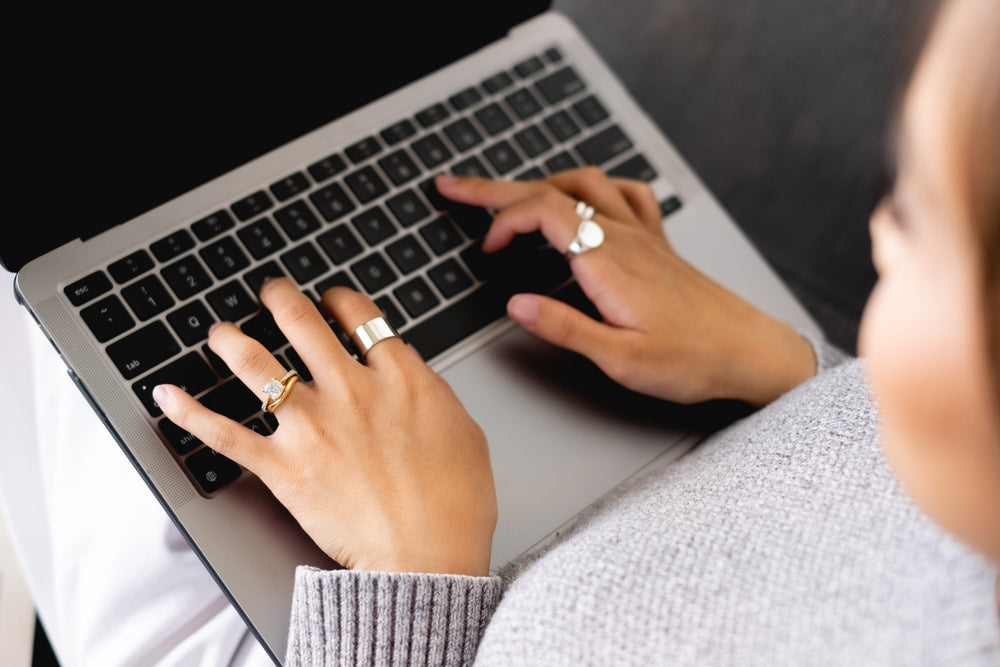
782	108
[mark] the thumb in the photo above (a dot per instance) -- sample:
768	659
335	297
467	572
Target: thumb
561	324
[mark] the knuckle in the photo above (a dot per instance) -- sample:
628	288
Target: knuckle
247	359
294	309
591	177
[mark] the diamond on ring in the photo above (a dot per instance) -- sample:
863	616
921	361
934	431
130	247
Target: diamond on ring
276	391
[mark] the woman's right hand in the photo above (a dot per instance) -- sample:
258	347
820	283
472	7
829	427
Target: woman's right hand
668	330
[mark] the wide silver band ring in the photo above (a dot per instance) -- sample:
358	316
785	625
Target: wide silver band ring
589	234
371	333
276	391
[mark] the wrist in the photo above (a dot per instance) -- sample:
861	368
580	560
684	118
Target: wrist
770	359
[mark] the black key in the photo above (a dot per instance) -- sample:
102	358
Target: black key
107	318
224	257
191	322
455	322
231	302
304	263
373	272
216	362
172	246
257	424
669	205
498	82
127	268
257	277
450	278
591	110
432	115
147	297
431	150
636	168
561	162
533	141
339	279
261	238
297	220
523	103
503	157
290	186
212	470
463	134
398	132
521	250
416	296
362	150
326	168
473	221
344	339
441	235
340	243
180	440
604	145
191	373
87	288
252	205
464	99
559	85
142	350
366	184
407	254
212	225
392	314
399	167
562	125
374	225
532	174
295	361
529	67
540	273
407	208
186	277
265	331
494	119
553	55
470	166
332	201
232	399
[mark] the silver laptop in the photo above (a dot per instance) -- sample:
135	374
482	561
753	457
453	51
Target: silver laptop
172	165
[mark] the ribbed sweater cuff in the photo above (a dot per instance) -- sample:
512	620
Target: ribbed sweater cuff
347	617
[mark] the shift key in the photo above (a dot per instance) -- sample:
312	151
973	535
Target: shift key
141	351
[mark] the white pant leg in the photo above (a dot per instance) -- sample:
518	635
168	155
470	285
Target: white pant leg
113	580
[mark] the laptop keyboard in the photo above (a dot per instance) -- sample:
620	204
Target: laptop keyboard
368	217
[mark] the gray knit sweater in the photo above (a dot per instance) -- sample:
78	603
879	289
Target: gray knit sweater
781	540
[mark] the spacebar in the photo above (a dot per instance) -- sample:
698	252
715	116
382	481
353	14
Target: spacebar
459	320
539	274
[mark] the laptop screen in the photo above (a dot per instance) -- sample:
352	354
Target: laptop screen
109	115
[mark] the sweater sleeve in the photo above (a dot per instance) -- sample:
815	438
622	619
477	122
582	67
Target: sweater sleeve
347	617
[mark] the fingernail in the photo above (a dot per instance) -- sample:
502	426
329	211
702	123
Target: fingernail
523	308
446	179
161	395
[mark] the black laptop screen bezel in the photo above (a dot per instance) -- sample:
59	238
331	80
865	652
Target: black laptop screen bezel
111	116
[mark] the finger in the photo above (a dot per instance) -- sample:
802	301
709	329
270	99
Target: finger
229	438
485	192
642	201
592	185
351	310
250	361
562	325
551	212
305	328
